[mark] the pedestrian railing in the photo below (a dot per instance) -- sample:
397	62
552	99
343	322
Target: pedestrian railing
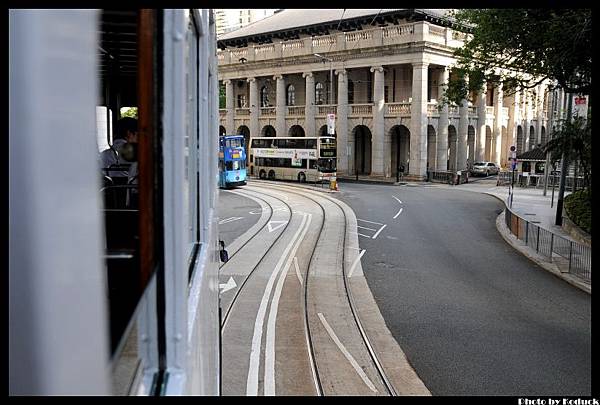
571	256
448	177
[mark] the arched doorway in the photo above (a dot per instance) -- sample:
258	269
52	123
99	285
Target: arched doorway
268	130
296	130
488	143
244	130
323	130
362	149
222	130
431	147
531	137
543	135
452	145
471	144
400	151
519	139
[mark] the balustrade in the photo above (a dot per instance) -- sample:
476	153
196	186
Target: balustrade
242	111
267	111
453	110
326	109
432	108
222	111
361	109
472	110
489	109
290	46
398	109
295	110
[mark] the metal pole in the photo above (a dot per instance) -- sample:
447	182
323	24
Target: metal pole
331	80
563	169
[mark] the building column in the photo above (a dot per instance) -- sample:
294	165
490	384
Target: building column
498	95
418	121
526	119
309	108
345	146
230	106
442	132
280	107
513	120
541	90
380	165
254	109
463	132
481	133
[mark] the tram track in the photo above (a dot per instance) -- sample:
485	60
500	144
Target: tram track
258	263
312	196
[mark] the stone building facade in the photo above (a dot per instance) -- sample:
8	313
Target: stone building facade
382	74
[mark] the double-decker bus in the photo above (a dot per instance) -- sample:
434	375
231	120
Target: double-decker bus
232	161
302	159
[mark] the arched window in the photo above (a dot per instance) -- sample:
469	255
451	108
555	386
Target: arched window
350	92
319	93
264	97
291	95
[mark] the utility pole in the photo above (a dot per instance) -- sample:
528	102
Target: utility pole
563	168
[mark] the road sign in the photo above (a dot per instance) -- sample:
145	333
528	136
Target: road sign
331	124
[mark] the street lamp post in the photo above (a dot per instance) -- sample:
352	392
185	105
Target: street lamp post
330	73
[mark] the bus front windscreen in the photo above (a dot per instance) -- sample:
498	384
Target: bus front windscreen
327	148
326	165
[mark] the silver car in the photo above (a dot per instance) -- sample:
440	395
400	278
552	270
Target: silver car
486	168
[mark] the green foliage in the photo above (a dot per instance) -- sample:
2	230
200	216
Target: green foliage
130	112
222	96
533	44
574	139
578	206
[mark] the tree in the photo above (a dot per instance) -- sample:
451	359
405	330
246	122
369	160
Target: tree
575	140
130	112
522	47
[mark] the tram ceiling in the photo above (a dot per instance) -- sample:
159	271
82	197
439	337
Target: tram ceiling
118	54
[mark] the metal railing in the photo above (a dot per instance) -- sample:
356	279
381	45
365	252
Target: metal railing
570	256
448	177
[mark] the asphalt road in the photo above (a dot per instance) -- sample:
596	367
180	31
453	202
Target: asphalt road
473	316
237	214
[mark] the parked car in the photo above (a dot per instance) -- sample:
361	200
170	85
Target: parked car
484	168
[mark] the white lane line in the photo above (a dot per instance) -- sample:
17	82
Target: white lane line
345	352
364	227
364	220
356	262
269	381
399	212
252	381
225	221
397	199
366	236
297	269
380	229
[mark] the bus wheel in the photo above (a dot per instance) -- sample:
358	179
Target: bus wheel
271	174
301	177
262	174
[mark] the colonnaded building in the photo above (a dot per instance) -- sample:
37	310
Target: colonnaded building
382	73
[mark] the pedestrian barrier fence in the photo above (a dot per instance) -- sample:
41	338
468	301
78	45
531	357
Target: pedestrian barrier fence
448	177
537	180
571	257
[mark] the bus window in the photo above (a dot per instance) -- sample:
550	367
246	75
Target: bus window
311	144
312	163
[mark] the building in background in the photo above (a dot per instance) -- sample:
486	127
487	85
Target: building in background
228	20
382	73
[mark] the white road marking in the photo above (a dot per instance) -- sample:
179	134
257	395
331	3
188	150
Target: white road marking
399	212
380	229
252	381
225	221
269	381
364	220
346	354
297	270
366	236
397	199
273	228
260	211
356	262
364	227
228	286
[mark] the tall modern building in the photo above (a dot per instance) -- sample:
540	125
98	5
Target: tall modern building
228	20
382	73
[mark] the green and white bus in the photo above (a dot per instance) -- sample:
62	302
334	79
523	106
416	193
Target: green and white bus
293	158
